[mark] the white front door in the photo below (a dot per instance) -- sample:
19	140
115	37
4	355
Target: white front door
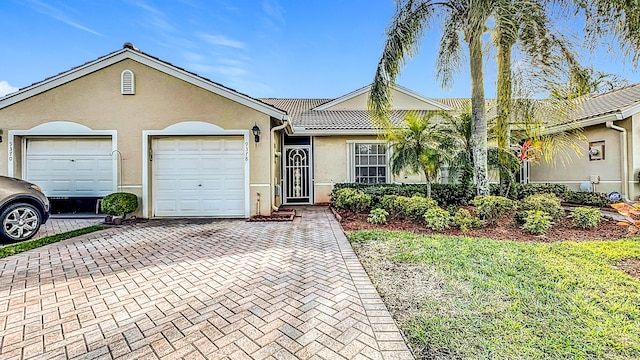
70	167
198	176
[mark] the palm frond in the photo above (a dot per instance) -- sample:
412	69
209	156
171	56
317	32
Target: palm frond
402	42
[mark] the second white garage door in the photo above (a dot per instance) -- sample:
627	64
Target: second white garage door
198	176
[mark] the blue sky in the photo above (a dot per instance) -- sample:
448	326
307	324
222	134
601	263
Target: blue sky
268	48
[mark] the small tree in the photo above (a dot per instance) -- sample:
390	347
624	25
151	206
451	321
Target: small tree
421	146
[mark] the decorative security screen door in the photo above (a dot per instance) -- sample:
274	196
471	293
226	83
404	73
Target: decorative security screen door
297	174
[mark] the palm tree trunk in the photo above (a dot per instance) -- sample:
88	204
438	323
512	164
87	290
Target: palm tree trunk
428	181
478	119
504	108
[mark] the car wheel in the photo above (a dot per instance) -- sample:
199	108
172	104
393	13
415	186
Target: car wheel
20	222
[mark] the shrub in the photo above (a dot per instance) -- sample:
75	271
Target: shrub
351	199
464	221
452	194
377	216
492	207
401	206
417	206
524	190
548	203
388	202
587	198
437	218
519	217
444	194
537	222
586	217
119	204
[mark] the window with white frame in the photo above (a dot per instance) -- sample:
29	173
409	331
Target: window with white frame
369	162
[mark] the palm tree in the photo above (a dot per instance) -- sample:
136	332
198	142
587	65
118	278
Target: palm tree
407	27
461	162
420	146
526	24
584	81
620	19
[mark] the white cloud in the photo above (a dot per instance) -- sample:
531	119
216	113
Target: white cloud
221	40
193	57
273	10
59	15
6	89
155	18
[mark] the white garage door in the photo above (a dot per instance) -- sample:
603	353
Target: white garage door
198	176
70	167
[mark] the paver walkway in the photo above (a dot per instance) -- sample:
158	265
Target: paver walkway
60	225
196	289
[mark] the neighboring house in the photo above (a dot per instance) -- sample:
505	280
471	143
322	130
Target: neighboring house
190	147
335	141
610	159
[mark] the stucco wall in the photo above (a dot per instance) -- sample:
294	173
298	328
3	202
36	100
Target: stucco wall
330	164
160	101
580	168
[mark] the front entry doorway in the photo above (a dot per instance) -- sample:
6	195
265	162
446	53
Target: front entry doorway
297	166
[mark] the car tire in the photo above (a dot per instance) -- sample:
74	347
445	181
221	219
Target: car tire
20	221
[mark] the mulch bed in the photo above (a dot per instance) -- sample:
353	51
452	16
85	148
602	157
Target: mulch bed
504	228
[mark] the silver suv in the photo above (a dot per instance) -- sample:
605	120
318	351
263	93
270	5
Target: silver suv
23	208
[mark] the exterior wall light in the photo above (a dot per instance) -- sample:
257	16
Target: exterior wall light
256	132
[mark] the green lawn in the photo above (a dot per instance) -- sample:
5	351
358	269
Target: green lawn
36	243
500	299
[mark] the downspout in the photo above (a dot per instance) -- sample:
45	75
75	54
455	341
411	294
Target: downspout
285	123
625	170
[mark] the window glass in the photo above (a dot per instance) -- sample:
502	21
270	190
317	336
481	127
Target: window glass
370	163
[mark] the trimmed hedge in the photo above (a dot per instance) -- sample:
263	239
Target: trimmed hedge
588	199
521	191
351	199
444	194
119	204
456	194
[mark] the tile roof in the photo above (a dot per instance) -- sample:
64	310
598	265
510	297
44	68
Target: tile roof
608	103
304	116
295	107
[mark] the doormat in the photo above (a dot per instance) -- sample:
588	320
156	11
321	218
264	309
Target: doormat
280	215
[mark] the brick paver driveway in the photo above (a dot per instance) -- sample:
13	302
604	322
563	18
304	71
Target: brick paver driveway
196	289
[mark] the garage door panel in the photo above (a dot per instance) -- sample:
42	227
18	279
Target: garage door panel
60	186
66	167
166	206
86	185
207	178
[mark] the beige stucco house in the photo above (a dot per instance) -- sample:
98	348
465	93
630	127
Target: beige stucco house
130	122
190	147
185	145
609	161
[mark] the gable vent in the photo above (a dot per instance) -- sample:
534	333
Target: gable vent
127	83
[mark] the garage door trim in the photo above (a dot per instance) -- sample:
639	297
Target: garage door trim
57	129
190	128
